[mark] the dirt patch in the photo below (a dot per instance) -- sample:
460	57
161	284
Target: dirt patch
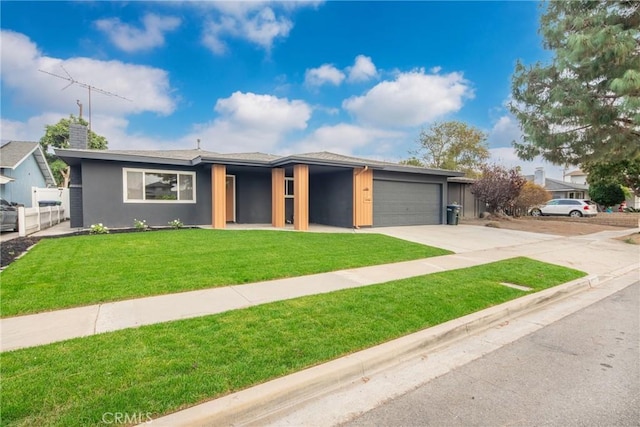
633	239
559	228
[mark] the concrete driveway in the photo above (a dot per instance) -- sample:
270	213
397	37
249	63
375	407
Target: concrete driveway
8	235
462	238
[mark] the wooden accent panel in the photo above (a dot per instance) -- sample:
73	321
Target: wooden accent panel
277	197
219	196
301	197
362	197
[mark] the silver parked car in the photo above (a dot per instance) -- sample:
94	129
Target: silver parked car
8	216
566	207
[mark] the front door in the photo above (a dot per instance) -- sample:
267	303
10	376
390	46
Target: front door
231	198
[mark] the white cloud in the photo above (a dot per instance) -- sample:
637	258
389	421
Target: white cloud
22	84
363	69
148	88
504	132
131	39
251	122
326	73
31	130
115	129
507	157
346	139
412	99
250	21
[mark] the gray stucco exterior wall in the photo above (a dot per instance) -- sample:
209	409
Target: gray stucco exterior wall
103	201
460	193
253	197
331	198
75	198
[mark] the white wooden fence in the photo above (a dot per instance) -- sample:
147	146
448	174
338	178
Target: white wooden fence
51	194
31	220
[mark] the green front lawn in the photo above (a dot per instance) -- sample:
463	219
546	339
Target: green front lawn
166	367
82	270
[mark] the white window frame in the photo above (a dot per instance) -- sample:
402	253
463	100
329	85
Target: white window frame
157	171
286	187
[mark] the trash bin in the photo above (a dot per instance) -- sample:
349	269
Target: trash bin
45	203
453	214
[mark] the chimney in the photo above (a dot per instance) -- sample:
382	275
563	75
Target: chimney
78	136
538	177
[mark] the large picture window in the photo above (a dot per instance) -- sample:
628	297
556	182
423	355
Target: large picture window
159	186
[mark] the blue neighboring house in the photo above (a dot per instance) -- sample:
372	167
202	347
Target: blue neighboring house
23	166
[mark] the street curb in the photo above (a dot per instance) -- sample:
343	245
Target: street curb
260	401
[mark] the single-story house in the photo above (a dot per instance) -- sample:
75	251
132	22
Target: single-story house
114	187
580	177
459	192
22	167
559	189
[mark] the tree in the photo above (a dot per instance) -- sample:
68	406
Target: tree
606	194
412	161
585	106
452	145
530	195
624	172
57	136
498	187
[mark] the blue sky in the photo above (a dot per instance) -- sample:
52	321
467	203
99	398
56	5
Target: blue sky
358	78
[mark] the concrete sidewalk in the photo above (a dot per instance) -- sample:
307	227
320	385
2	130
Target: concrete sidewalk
595	254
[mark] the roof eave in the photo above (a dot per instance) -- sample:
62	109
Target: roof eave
423	171
234	162
75	157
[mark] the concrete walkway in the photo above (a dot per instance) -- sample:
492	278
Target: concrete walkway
595	254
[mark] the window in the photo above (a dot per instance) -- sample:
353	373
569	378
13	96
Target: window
288	188
158	186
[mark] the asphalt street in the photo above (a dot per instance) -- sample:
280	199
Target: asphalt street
583	370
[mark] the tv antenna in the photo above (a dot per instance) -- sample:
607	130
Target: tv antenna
89	87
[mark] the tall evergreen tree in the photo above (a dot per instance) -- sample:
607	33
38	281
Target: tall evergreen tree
584	107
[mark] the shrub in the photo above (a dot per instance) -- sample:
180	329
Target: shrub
98	229
530	195
176	223
498	187
606	194
140	225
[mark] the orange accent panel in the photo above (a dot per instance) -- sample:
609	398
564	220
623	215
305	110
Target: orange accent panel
277	197
219	196
362	197
301	197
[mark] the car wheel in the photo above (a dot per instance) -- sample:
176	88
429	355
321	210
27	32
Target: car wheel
575	214
536	212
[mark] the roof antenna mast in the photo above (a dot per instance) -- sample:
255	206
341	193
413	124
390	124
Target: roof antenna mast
89	87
